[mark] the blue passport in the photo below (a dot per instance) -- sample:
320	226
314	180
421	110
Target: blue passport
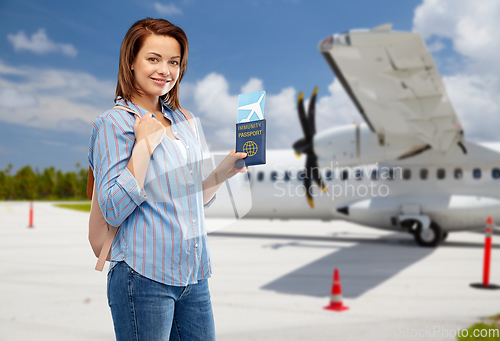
251	129
251	139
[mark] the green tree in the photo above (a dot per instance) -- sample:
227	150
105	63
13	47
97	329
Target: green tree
25	184
47	183
82	183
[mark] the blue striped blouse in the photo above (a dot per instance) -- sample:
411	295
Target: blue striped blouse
162	234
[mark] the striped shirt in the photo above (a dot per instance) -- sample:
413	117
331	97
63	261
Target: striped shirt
162	234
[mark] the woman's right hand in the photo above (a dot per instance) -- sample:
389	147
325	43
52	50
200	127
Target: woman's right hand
148	127
227	167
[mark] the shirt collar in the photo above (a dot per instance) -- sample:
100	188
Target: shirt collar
132	106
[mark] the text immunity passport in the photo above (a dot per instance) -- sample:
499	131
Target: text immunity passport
251	129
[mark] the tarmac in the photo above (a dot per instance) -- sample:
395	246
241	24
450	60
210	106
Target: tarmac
271	280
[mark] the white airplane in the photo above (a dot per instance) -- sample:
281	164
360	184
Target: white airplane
254	108
406	168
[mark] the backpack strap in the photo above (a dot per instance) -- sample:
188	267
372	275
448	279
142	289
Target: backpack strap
121	107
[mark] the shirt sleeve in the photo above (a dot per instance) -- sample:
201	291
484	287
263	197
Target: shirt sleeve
210	202
117	189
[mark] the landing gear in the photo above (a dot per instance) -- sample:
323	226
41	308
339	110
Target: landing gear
430	237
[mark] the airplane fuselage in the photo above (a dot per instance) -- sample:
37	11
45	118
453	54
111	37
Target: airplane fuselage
457	192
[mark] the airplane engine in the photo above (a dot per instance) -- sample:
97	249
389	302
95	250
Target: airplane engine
356	144
426	216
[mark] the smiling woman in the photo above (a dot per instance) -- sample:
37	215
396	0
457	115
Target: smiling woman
145	156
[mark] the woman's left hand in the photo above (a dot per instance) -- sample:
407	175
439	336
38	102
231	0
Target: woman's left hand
227	168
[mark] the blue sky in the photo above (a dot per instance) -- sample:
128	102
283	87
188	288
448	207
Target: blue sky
59	61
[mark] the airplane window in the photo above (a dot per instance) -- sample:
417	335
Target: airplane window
407	174
358	175
328	174
476	173
301	175
287	176
374	175
274	175
495	173
458	173
387	173
397	173
345	175
391	174
249	177
260	176
424	173
441	173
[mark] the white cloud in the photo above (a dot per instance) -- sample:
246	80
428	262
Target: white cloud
218	111
336	108
70	101
474	88
475	99
169	9
12	98
253	85
51	98
40	43
435	46
473	27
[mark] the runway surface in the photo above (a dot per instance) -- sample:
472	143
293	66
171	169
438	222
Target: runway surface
271	280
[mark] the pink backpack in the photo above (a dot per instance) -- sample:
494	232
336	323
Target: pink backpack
101	234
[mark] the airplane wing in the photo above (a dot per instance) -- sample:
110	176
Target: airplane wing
394	83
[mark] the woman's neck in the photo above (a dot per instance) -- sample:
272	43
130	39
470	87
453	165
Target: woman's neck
151	104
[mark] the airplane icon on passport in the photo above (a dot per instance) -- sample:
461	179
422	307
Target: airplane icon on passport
254	107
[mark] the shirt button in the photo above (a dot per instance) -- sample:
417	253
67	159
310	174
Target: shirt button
191	172
195	245
194	220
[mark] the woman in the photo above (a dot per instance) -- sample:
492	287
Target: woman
147	170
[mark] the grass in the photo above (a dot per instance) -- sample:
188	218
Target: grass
489	328
76	207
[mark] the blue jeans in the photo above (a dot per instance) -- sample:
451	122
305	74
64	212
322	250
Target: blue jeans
146	310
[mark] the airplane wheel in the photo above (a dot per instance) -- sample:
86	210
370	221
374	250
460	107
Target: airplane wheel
430	237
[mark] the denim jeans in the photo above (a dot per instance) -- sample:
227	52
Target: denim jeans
146	310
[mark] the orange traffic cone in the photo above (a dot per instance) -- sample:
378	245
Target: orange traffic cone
336	297
487	259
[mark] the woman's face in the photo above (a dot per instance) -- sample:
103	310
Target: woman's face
156	67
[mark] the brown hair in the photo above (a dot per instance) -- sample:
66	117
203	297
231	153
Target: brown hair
131	45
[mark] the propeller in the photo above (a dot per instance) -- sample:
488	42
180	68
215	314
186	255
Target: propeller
305	144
